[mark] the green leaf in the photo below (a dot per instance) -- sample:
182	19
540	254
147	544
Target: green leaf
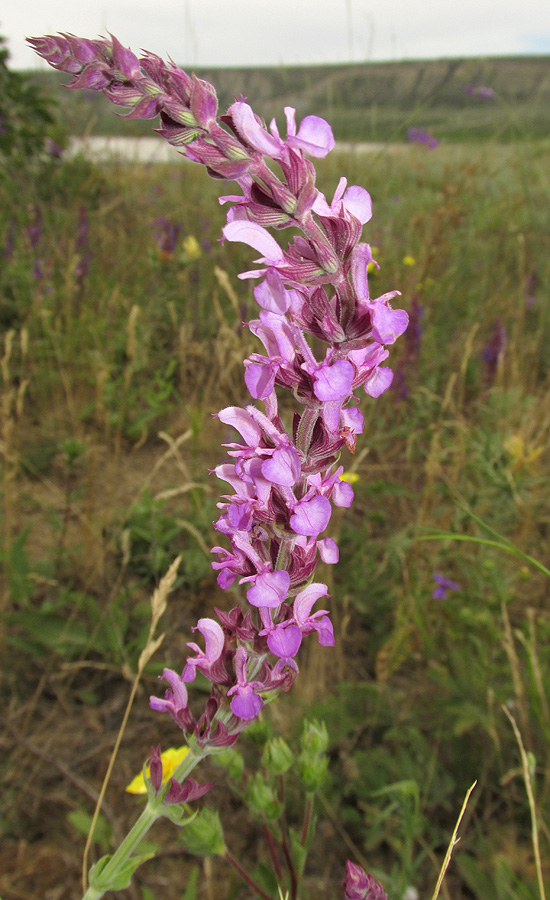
204	835
299	853
120	879
55	632
82	822
191	889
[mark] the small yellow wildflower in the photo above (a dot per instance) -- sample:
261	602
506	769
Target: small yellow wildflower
350	477
409	261
523	455
171	759
191	247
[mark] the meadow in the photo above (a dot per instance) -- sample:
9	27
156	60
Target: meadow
121	318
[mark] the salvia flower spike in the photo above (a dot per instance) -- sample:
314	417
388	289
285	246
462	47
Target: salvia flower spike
281	480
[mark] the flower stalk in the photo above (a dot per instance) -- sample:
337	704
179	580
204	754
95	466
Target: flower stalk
283	472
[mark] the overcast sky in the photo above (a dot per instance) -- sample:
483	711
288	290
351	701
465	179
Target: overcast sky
287	32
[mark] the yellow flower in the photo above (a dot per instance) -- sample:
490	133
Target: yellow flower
191	247
522	454
171	759
409	261
350	477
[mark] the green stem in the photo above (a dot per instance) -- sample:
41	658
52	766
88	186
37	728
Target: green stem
154	810
132	840
245	876
449	536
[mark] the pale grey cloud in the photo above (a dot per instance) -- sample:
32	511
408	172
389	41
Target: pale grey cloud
253	32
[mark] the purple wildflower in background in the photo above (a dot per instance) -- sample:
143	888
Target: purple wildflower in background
54	150
167	233
481	91
493	352
444	584
35	226
419	136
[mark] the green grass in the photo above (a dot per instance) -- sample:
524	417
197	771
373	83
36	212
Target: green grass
364	102
110	373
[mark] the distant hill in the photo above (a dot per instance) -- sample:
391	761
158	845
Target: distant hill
368	101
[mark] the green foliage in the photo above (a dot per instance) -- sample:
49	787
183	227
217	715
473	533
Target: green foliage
370	101
96	506
25	113
82	821
204	835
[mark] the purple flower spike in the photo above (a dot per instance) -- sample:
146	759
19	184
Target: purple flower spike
322	337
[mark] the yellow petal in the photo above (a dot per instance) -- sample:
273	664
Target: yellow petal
350	477
170	759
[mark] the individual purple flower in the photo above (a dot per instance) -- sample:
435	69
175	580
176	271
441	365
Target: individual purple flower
358	885
444	584
420	136
205	660
175	701
246	703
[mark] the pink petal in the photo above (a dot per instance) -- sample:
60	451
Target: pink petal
271	295
387	323
311	517
260	380
328	551
378	381
250	129
333	382
243	422
314	137
246	704
358	202
283	467
305	600
213	637
255	236
285	642
269	589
